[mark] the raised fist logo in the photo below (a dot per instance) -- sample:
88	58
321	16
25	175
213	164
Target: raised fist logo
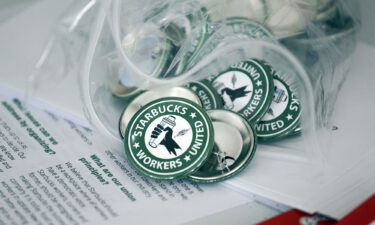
231	94
163	135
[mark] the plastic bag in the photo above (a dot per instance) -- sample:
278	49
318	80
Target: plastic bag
149	44
9	8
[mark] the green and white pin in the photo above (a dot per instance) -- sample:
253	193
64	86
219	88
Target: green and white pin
246	88
282	118
169	138
210	99
148	96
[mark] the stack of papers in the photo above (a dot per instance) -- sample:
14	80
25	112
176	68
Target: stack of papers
348	177
345	180
53	171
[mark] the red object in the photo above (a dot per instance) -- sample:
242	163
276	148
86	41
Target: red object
362	215
296	217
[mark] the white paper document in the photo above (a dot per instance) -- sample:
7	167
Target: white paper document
55	172
348	177
336	190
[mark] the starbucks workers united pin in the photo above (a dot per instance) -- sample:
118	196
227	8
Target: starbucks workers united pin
246	88
169	138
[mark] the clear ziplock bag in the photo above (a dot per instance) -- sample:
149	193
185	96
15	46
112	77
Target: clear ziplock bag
155	44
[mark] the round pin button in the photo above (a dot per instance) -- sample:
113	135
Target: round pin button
235	146
169	138
282	116
246	88
207	94
149	96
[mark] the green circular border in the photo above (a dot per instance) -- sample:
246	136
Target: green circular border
178	174
135	98
265	72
